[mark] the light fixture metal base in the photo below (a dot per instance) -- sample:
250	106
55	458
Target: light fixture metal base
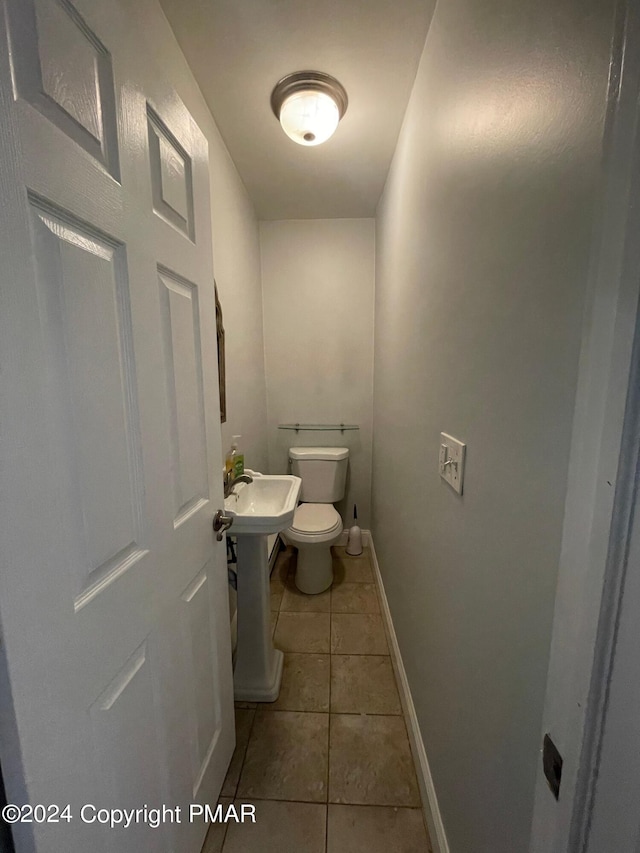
305	81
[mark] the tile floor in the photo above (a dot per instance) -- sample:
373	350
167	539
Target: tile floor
328	765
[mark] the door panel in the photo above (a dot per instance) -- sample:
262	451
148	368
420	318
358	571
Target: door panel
183	365
171	179
82	275
116	682
120	734
62	68
202	674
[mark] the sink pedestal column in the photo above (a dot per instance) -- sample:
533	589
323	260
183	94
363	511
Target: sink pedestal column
258	670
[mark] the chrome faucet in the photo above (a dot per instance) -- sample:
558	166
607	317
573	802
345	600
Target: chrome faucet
230	481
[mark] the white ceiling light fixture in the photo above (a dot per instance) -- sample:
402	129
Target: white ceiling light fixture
309	105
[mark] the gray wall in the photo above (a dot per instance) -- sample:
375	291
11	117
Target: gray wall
318	281
481	257
236	256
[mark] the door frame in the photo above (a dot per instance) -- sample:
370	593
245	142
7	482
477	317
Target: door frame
604	454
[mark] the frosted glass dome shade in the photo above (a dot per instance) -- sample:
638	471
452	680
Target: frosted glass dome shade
309	117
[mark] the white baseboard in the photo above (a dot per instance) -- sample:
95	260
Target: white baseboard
430	807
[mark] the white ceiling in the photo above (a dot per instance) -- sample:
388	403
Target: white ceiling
239	49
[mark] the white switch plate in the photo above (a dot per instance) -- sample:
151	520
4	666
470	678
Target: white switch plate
451	461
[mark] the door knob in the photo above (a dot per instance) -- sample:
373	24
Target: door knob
221	523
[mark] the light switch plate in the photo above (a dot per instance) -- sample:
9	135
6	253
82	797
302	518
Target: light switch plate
451	461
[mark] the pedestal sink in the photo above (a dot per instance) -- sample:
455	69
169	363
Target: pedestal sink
259	508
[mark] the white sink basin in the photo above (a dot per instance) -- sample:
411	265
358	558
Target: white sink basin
264	506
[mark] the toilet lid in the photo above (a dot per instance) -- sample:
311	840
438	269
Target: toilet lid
315	518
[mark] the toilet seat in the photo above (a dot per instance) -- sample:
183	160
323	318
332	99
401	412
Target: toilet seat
315	519
314	524
315	528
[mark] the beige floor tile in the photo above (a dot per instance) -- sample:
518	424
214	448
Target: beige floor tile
240	703
354	598
376	829
305	684
244	721
363	684
280	827
275	596
370	762
358	634
351	569
287	757
303	632
217	831
273	619
294	601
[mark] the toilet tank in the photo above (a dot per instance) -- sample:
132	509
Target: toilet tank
323	471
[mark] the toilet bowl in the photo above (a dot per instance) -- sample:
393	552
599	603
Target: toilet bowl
316	523
315	528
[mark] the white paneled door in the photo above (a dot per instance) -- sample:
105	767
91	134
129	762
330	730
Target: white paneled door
116	682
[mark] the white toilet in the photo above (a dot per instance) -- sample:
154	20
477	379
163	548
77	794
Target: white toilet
317	524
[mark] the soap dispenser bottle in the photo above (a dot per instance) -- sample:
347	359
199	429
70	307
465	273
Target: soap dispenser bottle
234	462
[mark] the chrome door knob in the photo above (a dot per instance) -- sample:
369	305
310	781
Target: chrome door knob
221	523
